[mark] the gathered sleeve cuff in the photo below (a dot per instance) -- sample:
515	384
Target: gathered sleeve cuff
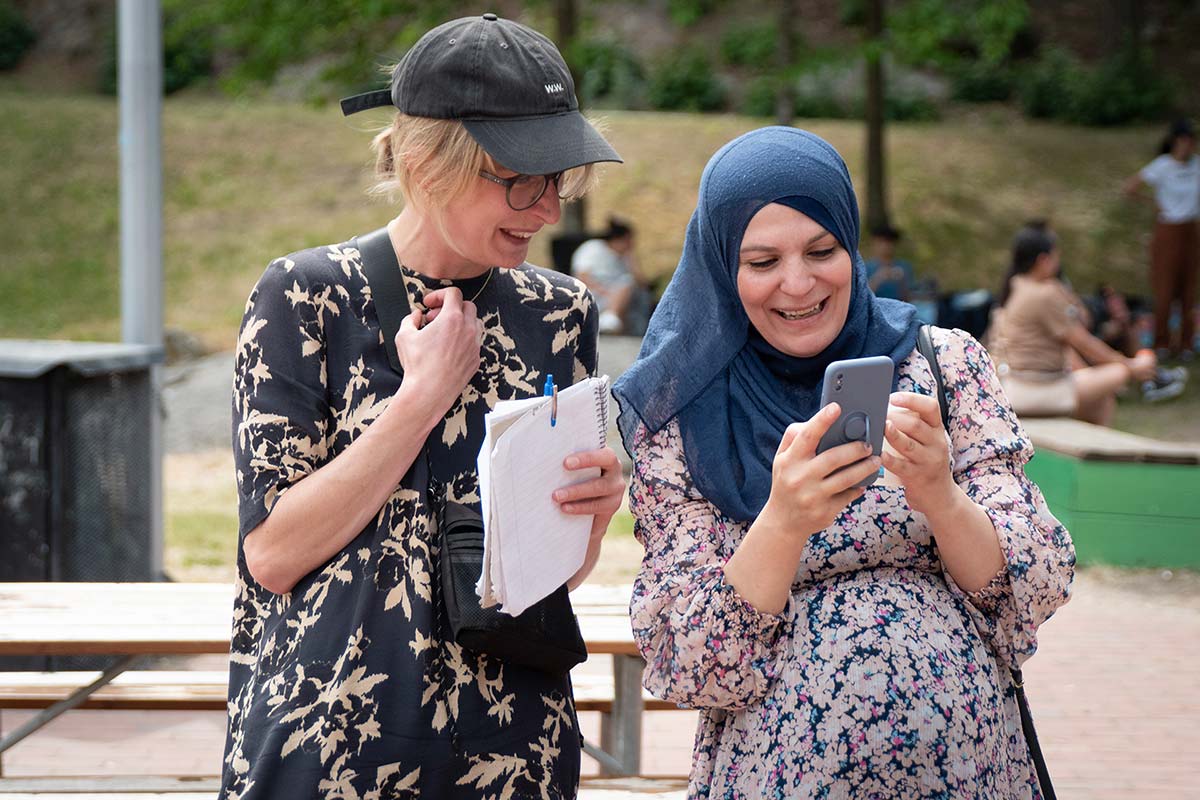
990	450
705	646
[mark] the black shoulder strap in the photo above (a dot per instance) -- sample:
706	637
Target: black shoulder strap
925	347
383	273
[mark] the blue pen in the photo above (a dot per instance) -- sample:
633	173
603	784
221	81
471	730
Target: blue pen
550	390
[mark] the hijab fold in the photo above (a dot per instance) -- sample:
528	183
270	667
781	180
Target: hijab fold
701	361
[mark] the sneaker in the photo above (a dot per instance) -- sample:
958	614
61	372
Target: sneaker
1172	374
1167	383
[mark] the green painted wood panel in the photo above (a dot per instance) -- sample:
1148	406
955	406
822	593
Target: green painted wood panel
1125	513
1134	541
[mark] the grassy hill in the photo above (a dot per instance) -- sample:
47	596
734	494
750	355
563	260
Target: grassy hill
246	181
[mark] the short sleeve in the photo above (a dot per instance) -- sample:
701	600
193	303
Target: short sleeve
1057	309
586	356
1154	172
586	258
280	411
990	450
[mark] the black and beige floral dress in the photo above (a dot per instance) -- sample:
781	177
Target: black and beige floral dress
346	687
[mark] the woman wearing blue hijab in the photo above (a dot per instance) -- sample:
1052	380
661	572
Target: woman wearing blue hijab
839	641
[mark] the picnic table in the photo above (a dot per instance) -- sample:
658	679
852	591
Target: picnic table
129	621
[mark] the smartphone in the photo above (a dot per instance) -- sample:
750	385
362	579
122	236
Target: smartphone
861	387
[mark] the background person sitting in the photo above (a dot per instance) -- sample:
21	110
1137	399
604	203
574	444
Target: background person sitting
1038	320
887	275
608	265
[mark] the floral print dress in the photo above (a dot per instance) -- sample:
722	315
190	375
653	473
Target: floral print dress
880	678
345	687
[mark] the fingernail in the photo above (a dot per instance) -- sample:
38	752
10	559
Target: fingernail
560	495
866	446
572	462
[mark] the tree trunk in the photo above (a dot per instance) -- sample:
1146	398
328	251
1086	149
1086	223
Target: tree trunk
574	218
877	211
785	53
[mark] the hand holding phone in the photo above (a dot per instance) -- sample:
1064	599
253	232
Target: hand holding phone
860	387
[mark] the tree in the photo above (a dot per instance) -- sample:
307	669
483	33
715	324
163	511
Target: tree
877	210
785	55
565	14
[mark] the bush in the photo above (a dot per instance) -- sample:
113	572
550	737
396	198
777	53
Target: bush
187	54
835	91
1044	88
980	82
608	71
759	98
749	46
909	107
685	81
1123	89
16	37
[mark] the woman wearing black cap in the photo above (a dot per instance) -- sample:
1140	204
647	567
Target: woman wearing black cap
342	680
1175	248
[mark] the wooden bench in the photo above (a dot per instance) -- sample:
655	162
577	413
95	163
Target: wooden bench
205	690
1126	499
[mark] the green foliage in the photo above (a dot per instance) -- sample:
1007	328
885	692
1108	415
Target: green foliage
943	32
16	37
902	106
758	100
689	12
1045	86
684	81
1121	90
353	38
981	82
188	48
749	45
608	73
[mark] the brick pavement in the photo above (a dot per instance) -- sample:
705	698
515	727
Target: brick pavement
1115	690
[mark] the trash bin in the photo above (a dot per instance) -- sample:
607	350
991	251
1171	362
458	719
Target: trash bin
75	462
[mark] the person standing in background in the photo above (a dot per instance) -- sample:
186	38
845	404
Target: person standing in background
1175	247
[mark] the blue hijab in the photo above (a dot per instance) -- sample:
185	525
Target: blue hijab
704	364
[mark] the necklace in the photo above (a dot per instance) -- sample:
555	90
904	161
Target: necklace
483	285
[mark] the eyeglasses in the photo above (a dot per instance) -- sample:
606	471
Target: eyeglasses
523	191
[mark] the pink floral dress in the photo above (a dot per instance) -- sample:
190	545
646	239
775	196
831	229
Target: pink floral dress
881	678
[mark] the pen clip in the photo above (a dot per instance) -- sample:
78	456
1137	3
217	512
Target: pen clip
550	389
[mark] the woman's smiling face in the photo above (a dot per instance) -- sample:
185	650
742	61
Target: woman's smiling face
794	279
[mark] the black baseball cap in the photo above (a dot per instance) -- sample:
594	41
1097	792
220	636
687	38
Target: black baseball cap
506	83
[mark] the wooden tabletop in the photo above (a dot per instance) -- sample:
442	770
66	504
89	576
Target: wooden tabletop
191	618
1092	442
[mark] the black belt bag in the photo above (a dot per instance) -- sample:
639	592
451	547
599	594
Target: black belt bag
546	635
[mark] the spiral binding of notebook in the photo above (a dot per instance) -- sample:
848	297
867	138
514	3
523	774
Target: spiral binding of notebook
600	391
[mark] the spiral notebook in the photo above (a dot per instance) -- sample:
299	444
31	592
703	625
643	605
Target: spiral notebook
530	547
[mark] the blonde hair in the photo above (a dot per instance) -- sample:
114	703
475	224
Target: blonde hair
430	161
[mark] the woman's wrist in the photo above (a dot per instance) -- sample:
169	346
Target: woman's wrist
954	508
416	403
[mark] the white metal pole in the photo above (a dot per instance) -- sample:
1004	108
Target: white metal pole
139	39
